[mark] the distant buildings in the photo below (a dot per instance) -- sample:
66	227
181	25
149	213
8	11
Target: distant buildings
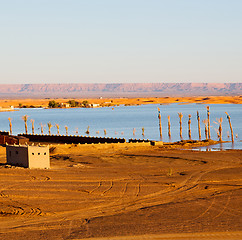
6	109
94	105
65	105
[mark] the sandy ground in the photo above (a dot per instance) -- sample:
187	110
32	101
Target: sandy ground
118	191
128	101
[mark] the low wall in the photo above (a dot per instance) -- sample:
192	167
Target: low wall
134	140
70	139
4	133
8	139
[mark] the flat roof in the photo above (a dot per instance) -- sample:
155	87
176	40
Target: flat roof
26	146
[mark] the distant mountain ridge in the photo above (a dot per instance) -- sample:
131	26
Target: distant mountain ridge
118	89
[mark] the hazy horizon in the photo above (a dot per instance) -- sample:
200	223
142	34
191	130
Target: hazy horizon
120	41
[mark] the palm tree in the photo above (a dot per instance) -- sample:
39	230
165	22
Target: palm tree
205	121
169	126
199	127
42	128
160	126
32	121
58	129
189	126
10	125
76	131
208	114
180	121
49	126
220	129
25	118
66	130
87	132
230	125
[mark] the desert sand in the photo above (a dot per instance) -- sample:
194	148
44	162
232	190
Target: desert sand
123	191
127	101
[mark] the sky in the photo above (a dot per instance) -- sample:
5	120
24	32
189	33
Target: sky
120	41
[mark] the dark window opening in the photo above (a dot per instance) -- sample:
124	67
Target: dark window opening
32	153
38	153
16	152
44	153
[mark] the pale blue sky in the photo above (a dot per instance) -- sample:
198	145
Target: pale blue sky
113	41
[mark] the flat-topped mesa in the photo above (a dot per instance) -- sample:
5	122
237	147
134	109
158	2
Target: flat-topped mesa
124	89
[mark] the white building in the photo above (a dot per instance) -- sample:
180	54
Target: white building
95	105
28	156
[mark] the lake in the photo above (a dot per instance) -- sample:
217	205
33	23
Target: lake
120	121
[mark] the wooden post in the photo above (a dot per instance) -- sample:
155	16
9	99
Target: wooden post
160	126
230	125
10	125
169	127
220	129
180	117
199	127
206	128
208	114
189	126
105	132
32	121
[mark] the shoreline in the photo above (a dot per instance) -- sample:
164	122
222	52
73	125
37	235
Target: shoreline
111	102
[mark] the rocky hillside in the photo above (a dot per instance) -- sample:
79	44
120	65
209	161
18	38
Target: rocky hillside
119	89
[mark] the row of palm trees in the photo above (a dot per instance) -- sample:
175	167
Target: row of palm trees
206	124
25	119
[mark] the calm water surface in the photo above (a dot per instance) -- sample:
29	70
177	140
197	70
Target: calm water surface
120	121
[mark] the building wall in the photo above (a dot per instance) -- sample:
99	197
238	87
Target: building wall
38	157
28	156
17	156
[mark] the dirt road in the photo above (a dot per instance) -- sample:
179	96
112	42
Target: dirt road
99	191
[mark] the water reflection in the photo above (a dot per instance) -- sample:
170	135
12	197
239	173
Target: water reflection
218	147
